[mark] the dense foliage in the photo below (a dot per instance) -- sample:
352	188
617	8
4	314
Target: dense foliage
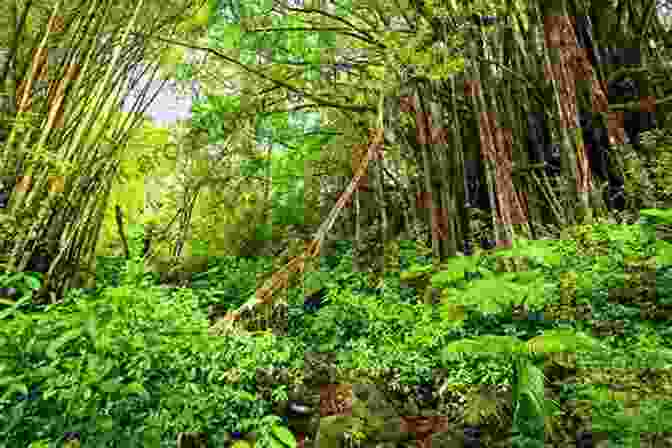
139	359
131	361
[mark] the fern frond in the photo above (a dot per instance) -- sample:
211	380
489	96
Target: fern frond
561	340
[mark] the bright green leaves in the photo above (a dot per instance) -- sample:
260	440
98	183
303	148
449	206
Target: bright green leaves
65	338
561	340
222	35
217	104
435	62
528	381
662	218
254	167
255	8
296	40
486	344
184	72
289	203
282	437
539	251
454	270
212	113
271	128
228	11
14	387
241	444
300	134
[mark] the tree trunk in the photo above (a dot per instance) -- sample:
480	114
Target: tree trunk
429	198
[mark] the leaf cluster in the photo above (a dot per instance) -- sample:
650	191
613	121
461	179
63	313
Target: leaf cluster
139	361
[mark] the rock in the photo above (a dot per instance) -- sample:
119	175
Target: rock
372	415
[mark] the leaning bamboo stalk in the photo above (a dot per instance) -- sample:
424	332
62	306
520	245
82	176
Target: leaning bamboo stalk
280	279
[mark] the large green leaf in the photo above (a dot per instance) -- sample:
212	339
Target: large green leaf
664	215
663	252
284	435
493	344
561	340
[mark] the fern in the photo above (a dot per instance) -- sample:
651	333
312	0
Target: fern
561	340
492	295
454	270
528	381
544	252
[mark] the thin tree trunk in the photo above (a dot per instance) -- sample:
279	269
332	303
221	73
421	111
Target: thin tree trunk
430	196
448	211
358	232
119	217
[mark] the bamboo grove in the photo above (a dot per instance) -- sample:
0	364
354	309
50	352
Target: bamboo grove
58	165
540	60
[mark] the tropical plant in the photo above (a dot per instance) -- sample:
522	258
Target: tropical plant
529	402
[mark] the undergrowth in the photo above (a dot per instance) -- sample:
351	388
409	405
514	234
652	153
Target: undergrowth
131	364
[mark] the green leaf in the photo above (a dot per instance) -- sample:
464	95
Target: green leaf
663	252
486	344
14	388
90	329
664	215
489	295
193	388
241	444
104	424
44	372
133	388
275	443
8	312
537	249
110	386
284	435
183	71
32	282
561	340
529	390
52	349
454	271
521	277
